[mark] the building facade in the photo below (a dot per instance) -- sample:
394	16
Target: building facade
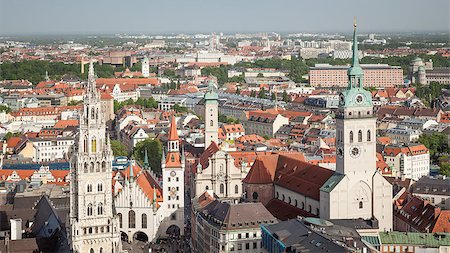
93	223
357	189
375	75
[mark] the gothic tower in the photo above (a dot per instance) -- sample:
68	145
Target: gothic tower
173	165
93	224
211	116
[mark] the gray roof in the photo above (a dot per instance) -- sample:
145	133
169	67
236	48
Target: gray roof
432	185
332	182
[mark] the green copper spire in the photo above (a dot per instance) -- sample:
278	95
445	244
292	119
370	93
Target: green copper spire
355	72
211	94
355	95
146	160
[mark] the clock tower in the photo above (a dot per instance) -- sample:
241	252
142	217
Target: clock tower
172	165
357	189
211	116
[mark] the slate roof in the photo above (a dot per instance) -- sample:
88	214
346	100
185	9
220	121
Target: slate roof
416	239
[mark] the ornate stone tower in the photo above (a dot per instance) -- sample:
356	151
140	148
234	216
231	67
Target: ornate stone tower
211	116
93	224
173	165
145	67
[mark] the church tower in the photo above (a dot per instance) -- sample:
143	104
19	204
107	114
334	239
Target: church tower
357	189
145	67
173	165
93	224
211	116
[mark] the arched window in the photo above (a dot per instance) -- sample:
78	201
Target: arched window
222	188
211	123
360	204
359	114
309	208
90	230
101	250
103	166
144	220
236	189
277	195
255	195
91	251
100	187
289	200
303	205
94	145
100	209
85	144
120	220
86	168
89	210
206	188
131	219
351	136
296	204
89	188
368	135
92	167
282	197
97	168
359	136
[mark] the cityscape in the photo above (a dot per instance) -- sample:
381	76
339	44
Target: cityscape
242	131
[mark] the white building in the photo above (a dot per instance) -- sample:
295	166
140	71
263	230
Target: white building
92	219
51	149
145	67
357	189
403	134
409	161
168	103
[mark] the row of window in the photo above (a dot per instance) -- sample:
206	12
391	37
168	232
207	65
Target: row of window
95	167
99	187
340	137
132	220
90	209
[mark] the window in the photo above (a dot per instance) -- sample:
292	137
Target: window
144	220
86	168
85	143
222	188
91	251
103	166
359	136
206	188
211	123
255	195
94	146
368	135
360	204
282	197
100	187
89	188
236	189
100	209
309	208
131	219
289	200
351	136
89	210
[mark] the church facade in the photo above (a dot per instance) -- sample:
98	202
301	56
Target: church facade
216	169
93	221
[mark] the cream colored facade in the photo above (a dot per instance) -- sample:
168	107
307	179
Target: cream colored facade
92	220
357	189
412	166
263	128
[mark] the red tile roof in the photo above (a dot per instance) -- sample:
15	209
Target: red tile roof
284	211
61	124
173	135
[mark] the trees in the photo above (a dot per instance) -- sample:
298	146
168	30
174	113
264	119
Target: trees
428	93
286	97
436	143
253	93
5	108
262	93
444	169
144	102
8	135
118	148
154	151
221	73
180	109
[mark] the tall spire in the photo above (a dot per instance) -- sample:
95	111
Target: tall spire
91	87
355	58
146	160
355	72
173	135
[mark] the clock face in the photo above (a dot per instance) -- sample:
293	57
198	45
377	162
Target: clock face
355	151
341	99
340	152
359	99
173	173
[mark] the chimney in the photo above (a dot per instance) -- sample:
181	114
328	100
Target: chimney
16	229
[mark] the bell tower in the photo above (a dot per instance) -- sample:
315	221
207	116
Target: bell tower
211	116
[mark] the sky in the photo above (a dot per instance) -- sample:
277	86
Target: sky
26	17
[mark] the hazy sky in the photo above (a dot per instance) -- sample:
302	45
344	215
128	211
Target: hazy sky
189	16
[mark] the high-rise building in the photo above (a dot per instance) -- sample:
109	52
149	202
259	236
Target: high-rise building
93	223
357	189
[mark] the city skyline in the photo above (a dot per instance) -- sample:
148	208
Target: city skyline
147	17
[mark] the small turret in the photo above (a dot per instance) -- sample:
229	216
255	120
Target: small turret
199	167
163	160
146	164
